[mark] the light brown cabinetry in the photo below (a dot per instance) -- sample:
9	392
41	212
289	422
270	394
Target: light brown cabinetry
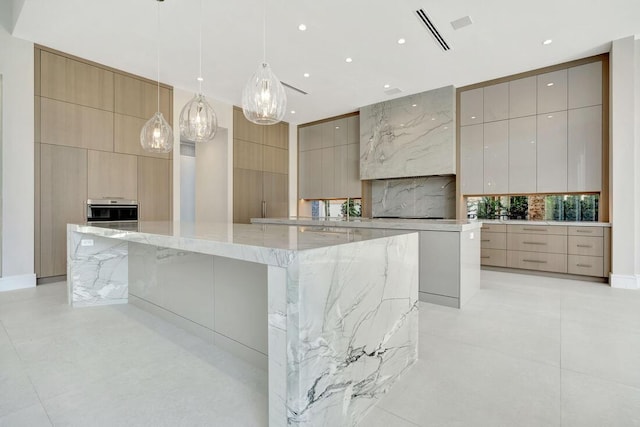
553	248
260	169
112	175
63	193
88	119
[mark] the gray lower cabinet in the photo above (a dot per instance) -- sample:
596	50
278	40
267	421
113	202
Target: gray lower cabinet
449	267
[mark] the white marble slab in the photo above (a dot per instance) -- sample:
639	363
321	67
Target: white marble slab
409	136
342	304
429	196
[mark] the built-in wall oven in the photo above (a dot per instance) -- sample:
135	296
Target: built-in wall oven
104	211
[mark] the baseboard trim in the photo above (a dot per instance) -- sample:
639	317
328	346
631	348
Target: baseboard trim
22	281
625	281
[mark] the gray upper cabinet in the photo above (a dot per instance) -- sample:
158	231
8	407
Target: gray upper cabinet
585	85
496	157
471	107
522	155
552	91
552	153
585	149
522	97
496	102
471	159
329	159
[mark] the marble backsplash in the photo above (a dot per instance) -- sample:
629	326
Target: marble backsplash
430	196
409	136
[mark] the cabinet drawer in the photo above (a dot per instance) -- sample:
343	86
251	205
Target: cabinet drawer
580	245
538	229
537	261
496	228
586	265
549	243
495	257
586	231
493	240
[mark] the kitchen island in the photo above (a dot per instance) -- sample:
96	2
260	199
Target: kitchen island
449	252
333	311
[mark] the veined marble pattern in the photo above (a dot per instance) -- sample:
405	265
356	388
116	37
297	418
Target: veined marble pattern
432	196
97	270
349	340
409	136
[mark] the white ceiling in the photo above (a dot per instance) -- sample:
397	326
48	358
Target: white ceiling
505	38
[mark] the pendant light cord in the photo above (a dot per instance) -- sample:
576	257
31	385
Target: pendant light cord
158	53
264	33
200	69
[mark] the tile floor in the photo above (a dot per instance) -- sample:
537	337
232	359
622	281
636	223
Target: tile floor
525	351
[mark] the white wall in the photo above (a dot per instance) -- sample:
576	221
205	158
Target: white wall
214	164
187	188
16	67
625	155
293	170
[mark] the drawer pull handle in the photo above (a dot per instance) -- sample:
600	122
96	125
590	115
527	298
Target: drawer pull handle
534	243
535	261
584	231
485	240
534	229
584	265
584	246
485	256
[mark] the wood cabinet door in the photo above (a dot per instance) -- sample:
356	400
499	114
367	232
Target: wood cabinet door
73	81
247	195
585	85
154	189
354	185
139	98
127	137
63	194
277	135
309	171
275	193
245	130
327	173
247	155
112	175
62	123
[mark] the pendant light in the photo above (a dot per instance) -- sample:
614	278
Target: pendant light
156	135
198	121
264	100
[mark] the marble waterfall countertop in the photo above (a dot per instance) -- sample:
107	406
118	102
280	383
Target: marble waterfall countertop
262	243
376	223
551	223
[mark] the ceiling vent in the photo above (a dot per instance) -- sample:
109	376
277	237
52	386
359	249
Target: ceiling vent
393	91
293	88
432	29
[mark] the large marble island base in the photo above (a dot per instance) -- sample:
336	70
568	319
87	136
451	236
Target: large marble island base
332	313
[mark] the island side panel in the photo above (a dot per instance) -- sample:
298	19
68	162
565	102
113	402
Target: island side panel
352	327
97	270
469	265
277	332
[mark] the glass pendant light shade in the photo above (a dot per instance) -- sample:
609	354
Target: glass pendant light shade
264	100
198	121
156	135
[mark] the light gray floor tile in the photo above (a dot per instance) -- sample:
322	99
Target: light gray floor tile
455	384
592	402
616	313
607	353
381	418
31	416
529	336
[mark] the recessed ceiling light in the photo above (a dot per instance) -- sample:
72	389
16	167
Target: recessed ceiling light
293	111
401	41
306	74
387	86
550	84
348	60
302	27
547	41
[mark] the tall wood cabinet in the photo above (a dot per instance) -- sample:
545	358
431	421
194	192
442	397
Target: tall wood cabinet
260	169
88	119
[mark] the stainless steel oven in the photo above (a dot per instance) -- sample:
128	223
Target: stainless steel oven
112	210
